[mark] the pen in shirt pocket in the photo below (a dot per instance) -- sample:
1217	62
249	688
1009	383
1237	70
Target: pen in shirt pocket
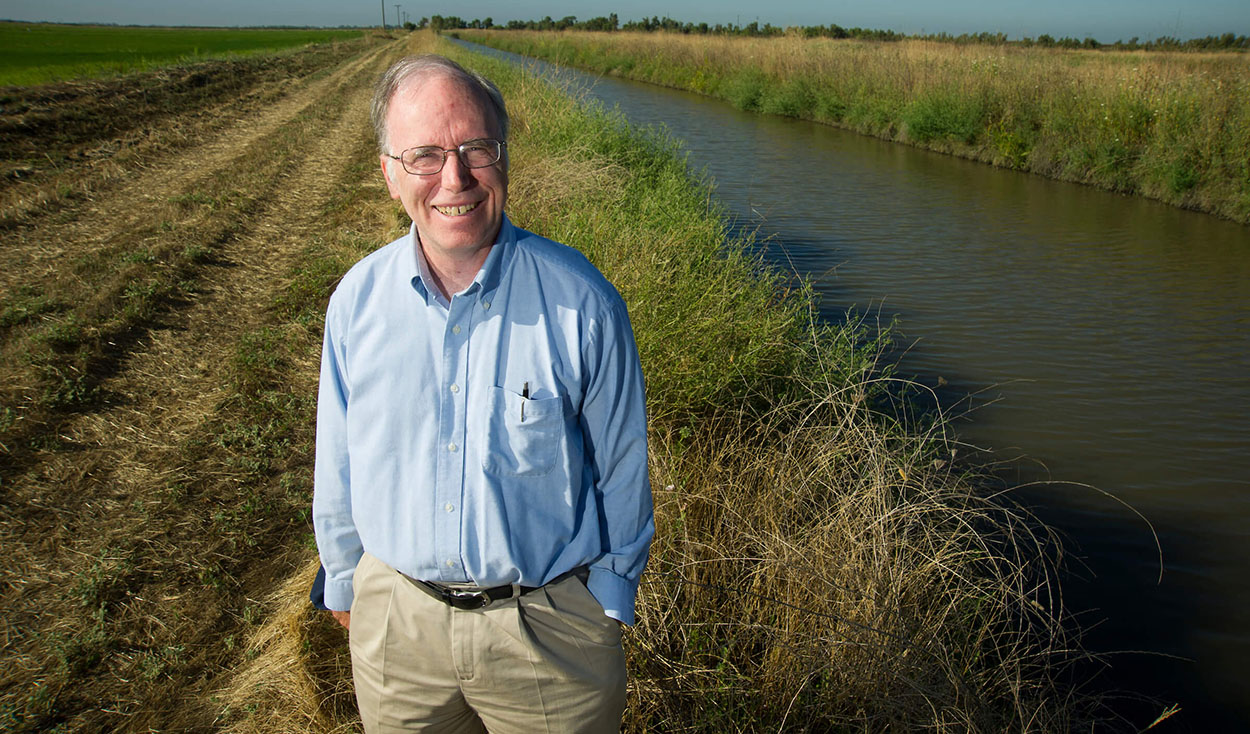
525	393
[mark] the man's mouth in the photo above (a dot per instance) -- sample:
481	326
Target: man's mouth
456	211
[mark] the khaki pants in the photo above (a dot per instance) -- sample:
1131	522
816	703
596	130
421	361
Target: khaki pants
548	661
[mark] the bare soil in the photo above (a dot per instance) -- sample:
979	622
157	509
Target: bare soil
155	400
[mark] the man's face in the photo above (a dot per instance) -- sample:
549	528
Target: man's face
458	210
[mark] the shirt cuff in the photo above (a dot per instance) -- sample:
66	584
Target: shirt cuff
338	595
614	593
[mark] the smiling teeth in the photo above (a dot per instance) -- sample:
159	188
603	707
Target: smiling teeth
455	211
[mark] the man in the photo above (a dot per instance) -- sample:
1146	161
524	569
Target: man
481	500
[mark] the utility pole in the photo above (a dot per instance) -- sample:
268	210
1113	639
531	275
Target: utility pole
397	23
383	14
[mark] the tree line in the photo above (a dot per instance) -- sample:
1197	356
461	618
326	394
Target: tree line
609	23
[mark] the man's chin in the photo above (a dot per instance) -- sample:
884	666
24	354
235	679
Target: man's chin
457	239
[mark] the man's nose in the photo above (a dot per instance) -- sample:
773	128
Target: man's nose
456	175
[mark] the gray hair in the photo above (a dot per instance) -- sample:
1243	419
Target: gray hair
420	68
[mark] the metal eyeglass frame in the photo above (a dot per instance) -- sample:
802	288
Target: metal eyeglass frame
458	150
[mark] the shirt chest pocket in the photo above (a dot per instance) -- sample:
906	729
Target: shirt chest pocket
523	435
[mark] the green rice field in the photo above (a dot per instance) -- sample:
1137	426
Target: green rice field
38	53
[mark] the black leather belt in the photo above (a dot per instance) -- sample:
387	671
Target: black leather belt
477	597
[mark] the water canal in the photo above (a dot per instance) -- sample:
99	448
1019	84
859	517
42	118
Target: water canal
1105	338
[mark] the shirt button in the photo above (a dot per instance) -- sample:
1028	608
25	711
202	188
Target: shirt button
455	388
451	447
455	329
486	305
449	507
451	563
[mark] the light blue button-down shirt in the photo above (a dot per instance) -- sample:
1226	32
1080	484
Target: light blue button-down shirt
498	437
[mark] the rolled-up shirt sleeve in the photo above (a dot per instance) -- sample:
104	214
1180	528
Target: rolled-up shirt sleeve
614	427
337	540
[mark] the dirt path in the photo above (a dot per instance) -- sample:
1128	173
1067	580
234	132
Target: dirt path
133	521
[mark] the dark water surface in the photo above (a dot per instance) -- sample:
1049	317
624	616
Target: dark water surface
1106	338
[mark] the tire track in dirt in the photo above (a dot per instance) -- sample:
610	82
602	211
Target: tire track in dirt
102	534
42	249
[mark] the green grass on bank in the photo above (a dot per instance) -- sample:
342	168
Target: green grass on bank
1169	126
39	53
824	561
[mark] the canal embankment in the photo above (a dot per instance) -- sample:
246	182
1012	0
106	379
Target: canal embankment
1169	126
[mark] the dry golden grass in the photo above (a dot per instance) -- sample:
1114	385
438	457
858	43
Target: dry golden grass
851	574
137	504
299	678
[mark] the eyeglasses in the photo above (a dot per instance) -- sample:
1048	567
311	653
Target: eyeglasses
426	160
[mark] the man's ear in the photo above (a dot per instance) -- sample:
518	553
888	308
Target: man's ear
386	162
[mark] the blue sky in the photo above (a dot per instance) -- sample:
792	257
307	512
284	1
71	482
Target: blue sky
1106	20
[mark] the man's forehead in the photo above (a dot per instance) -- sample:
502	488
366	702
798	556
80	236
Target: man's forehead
441	97
437	88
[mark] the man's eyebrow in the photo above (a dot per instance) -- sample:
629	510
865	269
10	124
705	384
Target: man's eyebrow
463	142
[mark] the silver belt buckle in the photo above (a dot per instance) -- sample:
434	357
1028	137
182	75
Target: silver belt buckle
467	599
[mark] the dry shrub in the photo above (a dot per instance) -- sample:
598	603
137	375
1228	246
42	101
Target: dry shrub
816	568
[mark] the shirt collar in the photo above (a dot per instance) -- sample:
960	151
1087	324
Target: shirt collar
484	284
421	279
497	262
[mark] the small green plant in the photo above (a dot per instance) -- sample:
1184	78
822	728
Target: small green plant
213	576
31	712
141	299
304	298
82	651
27	305
258	358
63	335
196	253
944	115
744	89
789	98
1012	143
67	389
1182	176
142	256
194	200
